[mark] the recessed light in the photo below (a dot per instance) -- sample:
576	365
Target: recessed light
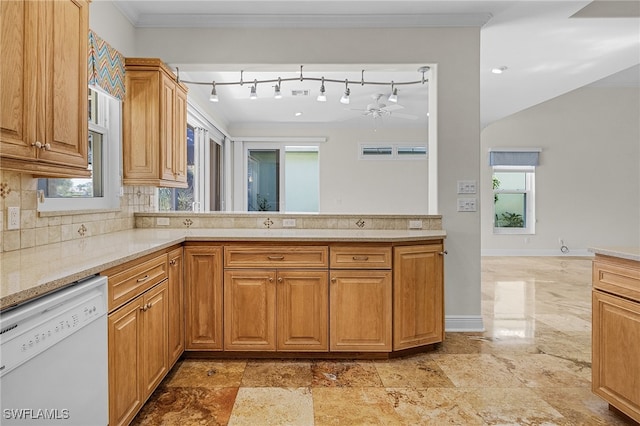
298	114
498	70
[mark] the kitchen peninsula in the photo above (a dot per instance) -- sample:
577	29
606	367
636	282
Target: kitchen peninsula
616	328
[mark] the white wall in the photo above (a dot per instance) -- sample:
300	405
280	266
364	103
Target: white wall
351	185
588	181
456	51
107	21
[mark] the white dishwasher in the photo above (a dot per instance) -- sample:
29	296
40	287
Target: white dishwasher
53	358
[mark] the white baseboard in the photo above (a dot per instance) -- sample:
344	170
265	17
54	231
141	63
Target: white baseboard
536	252
458	323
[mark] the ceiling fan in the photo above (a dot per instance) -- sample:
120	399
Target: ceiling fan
378	110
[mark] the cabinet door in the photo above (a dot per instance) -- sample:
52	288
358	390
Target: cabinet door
18	78
616	364
125	362
140	150
417	296
249	310
154	341
62	109
360	307
167	127
203	290
175	306
303	310
180	140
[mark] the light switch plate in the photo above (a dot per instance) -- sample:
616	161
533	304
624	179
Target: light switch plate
467	186
467	205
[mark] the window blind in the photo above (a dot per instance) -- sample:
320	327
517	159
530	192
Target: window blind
514	158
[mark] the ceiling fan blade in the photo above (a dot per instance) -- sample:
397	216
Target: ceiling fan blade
393	107
405	116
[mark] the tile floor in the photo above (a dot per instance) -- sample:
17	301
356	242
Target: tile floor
532	366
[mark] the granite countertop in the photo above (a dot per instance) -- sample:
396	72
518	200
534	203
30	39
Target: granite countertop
629	253
28	273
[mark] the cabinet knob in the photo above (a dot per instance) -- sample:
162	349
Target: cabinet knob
37	144
172	262
47	146
270	279
333	279
442	253
279	279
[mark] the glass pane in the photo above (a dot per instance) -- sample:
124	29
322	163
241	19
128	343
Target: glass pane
513	181
510	210
263	185
182	199
412	150
302	180
381	150
79	188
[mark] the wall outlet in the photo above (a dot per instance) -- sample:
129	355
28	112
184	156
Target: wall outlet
288	223
467	205
415	224
13	218
162	221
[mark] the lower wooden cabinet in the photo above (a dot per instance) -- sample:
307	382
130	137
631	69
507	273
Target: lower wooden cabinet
203	301
267	310
418	289
175	289
616	333
360	311
138	354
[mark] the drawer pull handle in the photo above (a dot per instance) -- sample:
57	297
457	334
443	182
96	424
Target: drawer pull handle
143	279
361	258
275	257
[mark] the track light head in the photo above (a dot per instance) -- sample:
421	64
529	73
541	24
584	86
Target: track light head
214	94
253	94
322	97
277	93
345	97
393	97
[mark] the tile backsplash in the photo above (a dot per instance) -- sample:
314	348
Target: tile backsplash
20	190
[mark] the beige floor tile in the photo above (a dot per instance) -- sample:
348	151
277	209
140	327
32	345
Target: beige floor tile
477	370
272	406
206	374
354	406
417	372
434	406
345	374
285	374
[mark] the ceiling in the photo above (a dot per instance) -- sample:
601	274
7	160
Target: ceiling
549	47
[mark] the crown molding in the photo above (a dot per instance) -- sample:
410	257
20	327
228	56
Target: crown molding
302	20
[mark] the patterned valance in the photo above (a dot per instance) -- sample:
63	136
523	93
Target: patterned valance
106	66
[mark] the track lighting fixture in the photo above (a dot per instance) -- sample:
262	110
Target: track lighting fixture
253	94
345	97
277	93
322	97
214	93
393	97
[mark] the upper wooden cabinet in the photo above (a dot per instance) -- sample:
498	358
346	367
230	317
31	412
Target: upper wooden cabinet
154	140
43	87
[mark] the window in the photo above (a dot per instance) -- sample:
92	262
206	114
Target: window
513	199
370	151
182	199
101	190
281	177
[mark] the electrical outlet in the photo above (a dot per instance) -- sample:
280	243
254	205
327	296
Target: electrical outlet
288	223
13	218
415	224
466	187
162	221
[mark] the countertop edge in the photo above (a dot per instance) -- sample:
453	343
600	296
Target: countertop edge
53	281
628	253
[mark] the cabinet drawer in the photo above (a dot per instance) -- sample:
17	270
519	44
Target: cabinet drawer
360	257
620	278
276	256
132	279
